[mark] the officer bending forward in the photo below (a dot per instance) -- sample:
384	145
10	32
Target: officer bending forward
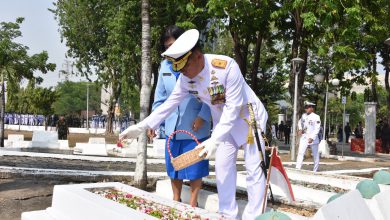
217	81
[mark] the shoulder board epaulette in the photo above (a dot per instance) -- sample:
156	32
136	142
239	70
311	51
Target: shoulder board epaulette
219	63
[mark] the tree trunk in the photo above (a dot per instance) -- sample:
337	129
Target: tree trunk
2	112
301	79
155	67
240	52
256	62
110	118
374	80
140	178
296	45
116	89
387	85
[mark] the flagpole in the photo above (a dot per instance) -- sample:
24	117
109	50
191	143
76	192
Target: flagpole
268	177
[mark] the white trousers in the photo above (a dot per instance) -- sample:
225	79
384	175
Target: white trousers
226	174
303	144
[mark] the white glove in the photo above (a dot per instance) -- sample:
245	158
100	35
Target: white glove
132	132
210	146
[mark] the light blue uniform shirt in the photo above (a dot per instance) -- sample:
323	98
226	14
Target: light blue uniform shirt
184	115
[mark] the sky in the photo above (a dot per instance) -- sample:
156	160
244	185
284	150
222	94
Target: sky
40	32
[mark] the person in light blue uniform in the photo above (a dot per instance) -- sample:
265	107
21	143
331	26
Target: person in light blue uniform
191	115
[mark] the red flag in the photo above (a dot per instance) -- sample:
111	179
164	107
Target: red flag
279	176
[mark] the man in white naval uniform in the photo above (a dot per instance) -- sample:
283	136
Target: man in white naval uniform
309	127
217	81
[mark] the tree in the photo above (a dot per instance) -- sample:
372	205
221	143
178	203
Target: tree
32	99
73	98
42	100
16	64
248	23
103	38
382	29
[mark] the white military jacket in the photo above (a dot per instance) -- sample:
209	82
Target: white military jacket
222	87
310	126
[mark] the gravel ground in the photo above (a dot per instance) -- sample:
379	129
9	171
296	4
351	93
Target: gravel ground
21	195
55	163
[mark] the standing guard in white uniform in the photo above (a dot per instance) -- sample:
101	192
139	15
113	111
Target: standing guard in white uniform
217	81
309	127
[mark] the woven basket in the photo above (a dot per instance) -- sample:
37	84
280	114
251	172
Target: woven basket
187	159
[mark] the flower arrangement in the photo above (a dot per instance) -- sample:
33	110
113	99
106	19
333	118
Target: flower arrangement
119	144
123	143
148	207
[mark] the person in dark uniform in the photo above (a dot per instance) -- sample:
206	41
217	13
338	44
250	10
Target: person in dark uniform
62	129
281	127
385	137
359	130
287	131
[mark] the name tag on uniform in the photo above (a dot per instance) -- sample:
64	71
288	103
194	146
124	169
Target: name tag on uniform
217	94
167	74
193	92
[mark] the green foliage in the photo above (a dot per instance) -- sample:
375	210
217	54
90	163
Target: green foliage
15	62
104	37
42	100
382	112
337	38
244	31
72	98
32	100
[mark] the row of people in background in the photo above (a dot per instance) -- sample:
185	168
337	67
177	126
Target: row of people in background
382	133
98	121
121	123
358	132
218	82
23	119
95	121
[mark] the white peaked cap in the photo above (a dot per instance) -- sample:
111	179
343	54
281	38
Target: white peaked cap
309	103
183	44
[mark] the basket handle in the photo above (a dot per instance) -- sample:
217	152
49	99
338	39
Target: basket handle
175	132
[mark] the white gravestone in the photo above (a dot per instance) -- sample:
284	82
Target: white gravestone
90	149
45	139
97	140
379	205
14	141
77	203
64	144
350	206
